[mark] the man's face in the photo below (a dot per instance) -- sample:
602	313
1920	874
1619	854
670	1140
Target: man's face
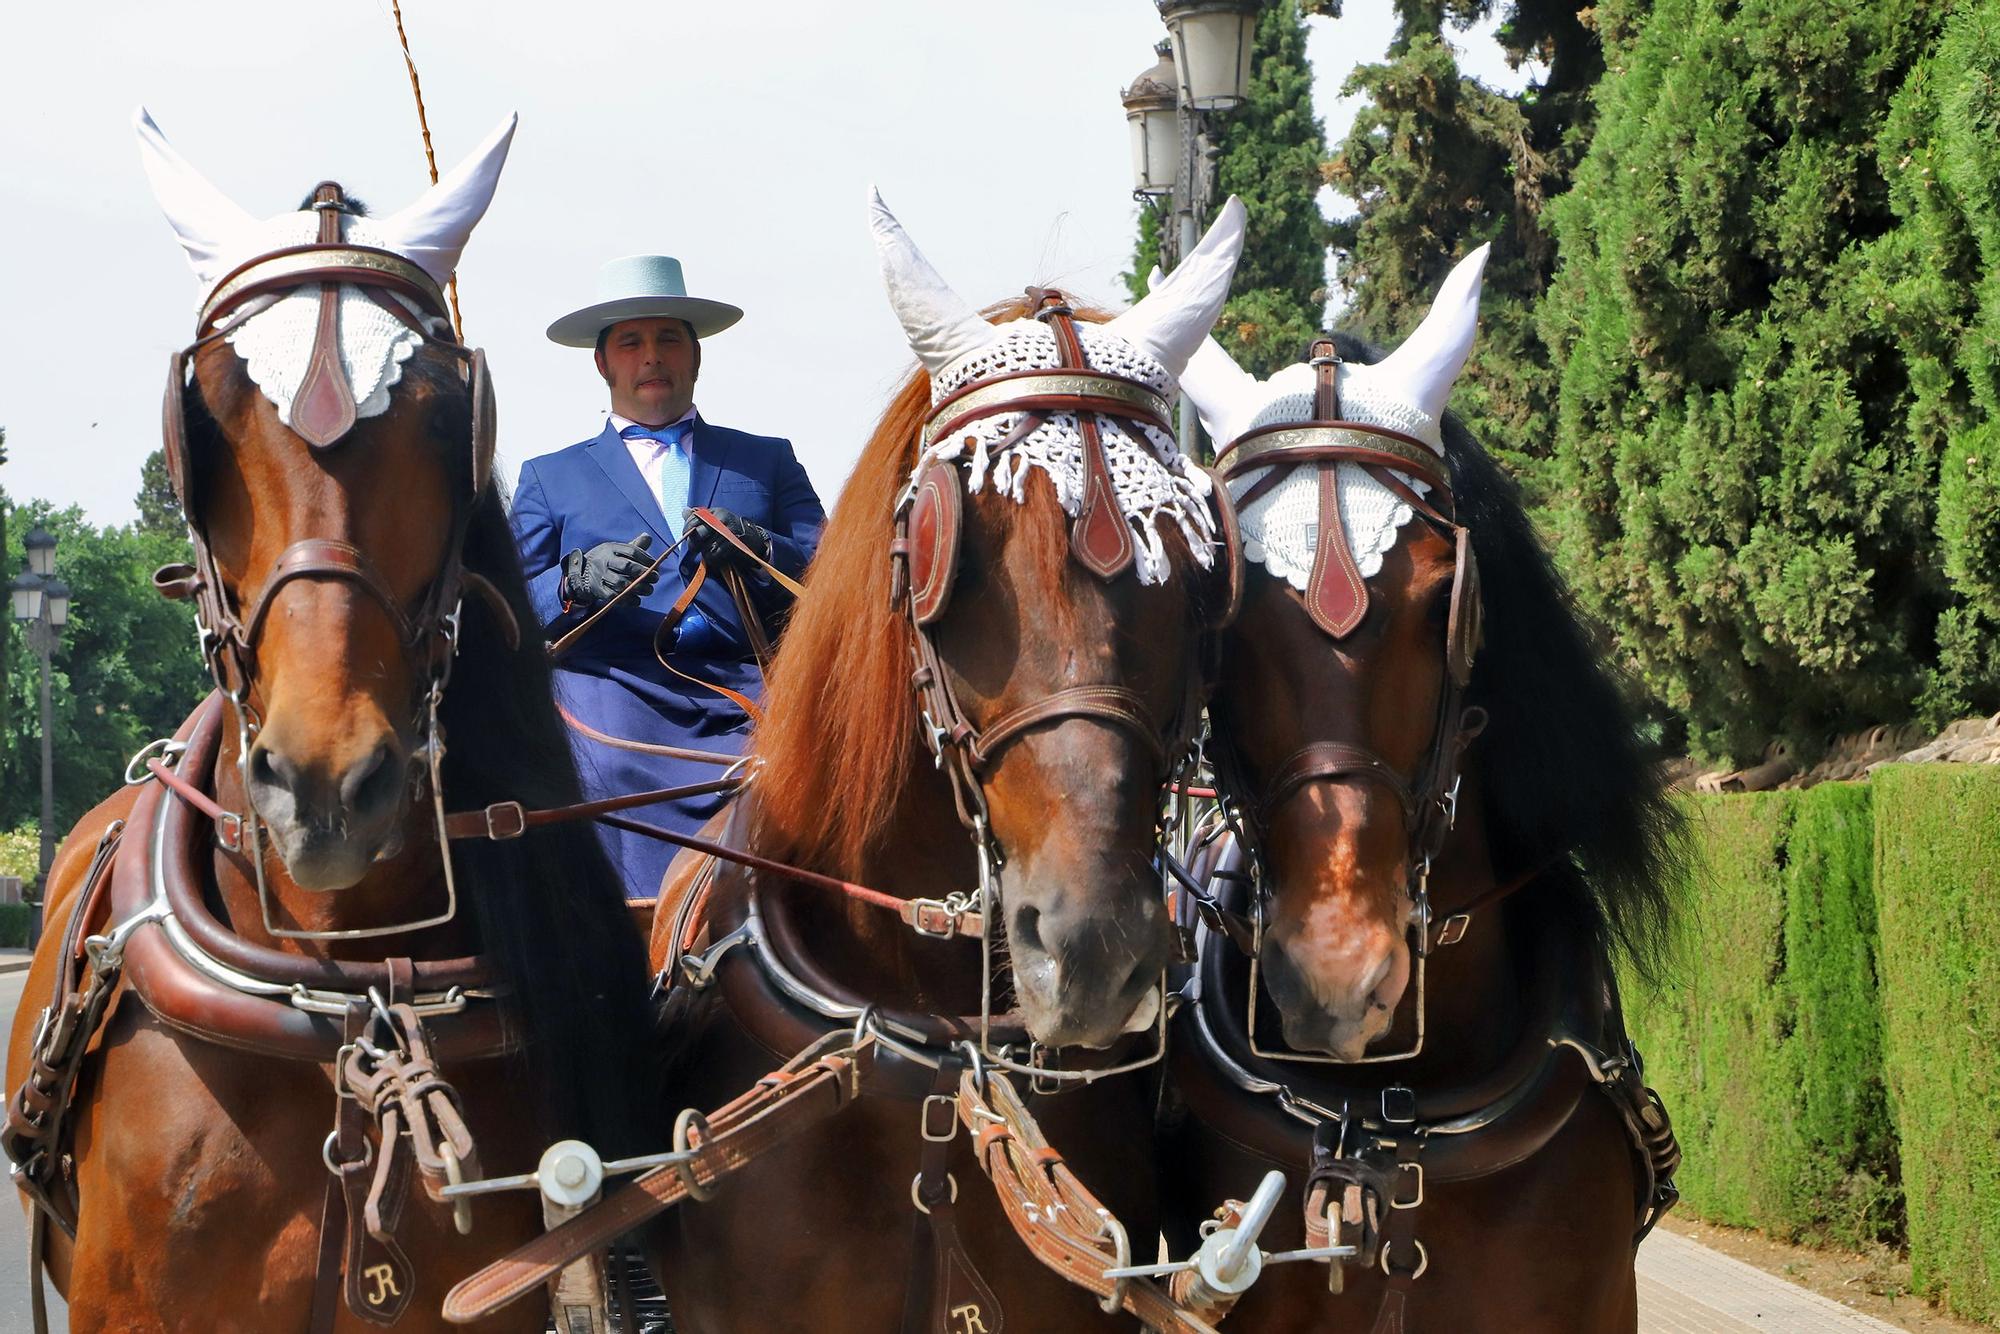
651	366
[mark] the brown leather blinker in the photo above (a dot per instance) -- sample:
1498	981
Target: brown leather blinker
1228	555
485	422
1465	627
936	520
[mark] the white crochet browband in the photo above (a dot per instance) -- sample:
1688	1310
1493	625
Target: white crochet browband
276	344
1151	478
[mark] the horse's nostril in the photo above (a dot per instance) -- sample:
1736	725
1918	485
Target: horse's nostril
265	768
374	783
1027	930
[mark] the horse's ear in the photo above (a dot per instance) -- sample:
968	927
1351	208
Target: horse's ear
210	225
1220	390
433	231
1171	320
1424	368
940	326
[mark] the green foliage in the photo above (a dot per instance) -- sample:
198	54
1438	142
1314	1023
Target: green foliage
21	853
15	919
1762	322
159	507
1438	164
1938	882
1273	153
124	672
1766	1041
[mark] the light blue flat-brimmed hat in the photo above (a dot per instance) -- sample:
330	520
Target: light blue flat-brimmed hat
642	287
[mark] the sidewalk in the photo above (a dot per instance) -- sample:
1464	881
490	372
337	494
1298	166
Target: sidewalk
15	961
1686	1288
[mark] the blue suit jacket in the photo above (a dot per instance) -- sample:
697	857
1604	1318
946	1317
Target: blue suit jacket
593	492
610	682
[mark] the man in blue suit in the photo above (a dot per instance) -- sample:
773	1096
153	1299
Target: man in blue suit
591	519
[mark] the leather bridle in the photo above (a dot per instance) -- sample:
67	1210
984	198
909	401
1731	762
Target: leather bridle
1336	598
323	414
929	518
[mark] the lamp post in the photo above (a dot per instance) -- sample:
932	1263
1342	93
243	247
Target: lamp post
1202	70
41	603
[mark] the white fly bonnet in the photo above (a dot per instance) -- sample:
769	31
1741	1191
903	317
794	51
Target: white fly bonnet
277	342
1150	344
1405	392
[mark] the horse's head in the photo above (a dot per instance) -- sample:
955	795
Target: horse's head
328	440
1052	540
1337	713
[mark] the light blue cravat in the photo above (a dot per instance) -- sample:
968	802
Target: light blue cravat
674	468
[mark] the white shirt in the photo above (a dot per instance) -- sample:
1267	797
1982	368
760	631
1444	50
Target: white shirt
649	453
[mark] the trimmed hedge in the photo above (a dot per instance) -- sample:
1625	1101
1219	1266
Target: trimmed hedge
1938	881
1766	1043
15	919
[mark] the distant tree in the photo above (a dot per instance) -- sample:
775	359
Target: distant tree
1438	164
1775	324
125	671
1273	156
159	508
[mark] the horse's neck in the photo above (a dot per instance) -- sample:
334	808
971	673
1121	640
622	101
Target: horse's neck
923	852
408	887
1475	988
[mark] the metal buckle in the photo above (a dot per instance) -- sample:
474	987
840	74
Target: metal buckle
1453	929
1395	1202
1399	1105
505	820
933	1102
931	917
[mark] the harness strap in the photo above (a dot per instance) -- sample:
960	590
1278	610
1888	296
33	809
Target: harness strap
779	1106
945	1284
1112	704
1334	759
323	410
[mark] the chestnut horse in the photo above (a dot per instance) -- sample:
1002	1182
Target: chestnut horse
1451	1122
189	1162
839	1229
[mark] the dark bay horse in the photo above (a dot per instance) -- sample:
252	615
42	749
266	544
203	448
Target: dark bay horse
243	1011
1437	1108
1070	682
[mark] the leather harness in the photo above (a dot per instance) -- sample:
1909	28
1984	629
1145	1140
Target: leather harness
139	920
951	1065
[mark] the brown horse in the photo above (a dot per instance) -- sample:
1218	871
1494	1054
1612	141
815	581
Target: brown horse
1068	687
186	1159
1432	1008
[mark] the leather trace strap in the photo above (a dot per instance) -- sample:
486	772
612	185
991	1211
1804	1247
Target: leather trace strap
806	1090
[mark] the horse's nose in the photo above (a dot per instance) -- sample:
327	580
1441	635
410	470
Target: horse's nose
350	797
1081	972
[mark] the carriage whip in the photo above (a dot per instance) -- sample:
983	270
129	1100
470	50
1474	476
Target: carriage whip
430	154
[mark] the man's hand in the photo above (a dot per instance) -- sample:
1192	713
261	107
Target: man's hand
601	573
719	551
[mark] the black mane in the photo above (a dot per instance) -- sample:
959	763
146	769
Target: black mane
549	907
1568	775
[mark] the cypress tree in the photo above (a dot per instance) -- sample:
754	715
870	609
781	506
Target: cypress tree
1773	324
1438	164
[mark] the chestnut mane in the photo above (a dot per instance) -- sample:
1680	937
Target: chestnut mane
840	725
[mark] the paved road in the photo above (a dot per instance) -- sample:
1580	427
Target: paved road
1684	1288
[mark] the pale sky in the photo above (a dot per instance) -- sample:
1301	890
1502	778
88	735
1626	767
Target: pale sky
739	137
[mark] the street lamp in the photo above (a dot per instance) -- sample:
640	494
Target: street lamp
1209	72
1212	42
40	601
1152	110
41	547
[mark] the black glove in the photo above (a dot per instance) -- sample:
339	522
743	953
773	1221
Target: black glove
601	573
719	551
